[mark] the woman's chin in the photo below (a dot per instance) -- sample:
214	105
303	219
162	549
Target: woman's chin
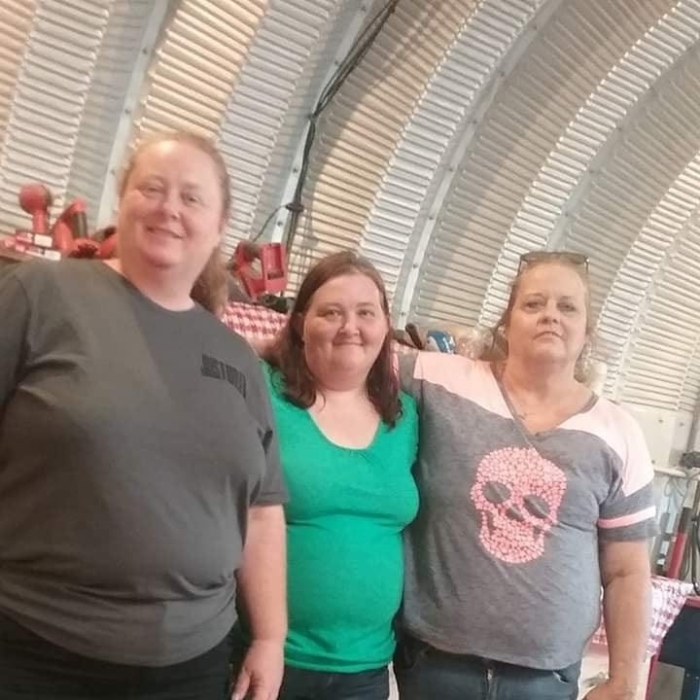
549	356
351	366
161	259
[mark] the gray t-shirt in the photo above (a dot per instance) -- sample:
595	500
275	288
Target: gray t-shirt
133	441
502	561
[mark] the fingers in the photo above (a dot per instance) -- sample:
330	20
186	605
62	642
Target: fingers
242	685
261	693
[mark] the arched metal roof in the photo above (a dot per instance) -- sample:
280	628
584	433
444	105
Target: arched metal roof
469	133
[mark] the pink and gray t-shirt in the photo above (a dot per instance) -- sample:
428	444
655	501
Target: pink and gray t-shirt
502	561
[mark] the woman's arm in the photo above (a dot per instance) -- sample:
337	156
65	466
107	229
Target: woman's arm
626	579
262	581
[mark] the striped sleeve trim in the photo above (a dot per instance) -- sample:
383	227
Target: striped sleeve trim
626	520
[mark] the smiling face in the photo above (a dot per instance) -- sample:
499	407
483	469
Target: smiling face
171	210
548	318
344	326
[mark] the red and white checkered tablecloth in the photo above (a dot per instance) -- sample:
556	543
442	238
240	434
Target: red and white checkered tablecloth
259	324
668	598
254	323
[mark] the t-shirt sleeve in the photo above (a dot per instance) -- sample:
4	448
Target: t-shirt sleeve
628	512
454	373
272	490
409	415
15	313
408	381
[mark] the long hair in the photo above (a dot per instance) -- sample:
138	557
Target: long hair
211	287
497	353
287	353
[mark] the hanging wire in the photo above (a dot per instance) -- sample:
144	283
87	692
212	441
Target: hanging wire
266	223
358	51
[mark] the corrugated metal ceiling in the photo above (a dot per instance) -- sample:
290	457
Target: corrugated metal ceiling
470	132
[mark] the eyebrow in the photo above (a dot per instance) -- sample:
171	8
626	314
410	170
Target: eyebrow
541	295
338	304
162	178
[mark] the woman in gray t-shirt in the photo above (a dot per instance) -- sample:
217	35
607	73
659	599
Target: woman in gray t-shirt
533	491
139	471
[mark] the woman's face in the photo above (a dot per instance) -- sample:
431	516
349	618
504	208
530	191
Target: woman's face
171	209
548	319
344	326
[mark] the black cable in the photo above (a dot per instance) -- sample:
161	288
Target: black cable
357	52
265	225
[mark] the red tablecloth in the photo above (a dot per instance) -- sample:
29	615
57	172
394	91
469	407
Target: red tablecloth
668	597
258	323
254	323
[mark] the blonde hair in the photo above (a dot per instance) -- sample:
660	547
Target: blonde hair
497	351
211	287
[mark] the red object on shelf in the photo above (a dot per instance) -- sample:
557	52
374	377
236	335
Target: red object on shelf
70	224
84	248
108	248
675	559
36	199
271	261
679	543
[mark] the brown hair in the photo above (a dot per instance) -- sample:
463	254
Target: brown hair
498	352
287	353
211	287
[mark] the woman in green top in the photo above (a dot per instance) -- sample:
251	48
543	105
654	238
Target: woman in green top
348	439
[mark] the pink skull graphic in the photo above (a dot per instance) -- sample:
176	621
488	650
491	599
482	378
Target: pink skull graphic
518	494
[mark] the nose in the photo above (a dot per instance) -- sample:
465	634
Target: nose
551	312
349	323
170	204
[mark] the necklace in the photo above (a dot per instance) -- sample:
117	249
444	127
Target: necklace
549	409
524	414
554	411
555	408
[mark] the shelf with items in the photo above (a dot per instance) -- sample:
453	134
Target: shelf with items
678	472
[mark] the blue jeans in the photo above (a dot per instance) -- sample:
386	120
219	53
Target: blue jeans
300	684
425	673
